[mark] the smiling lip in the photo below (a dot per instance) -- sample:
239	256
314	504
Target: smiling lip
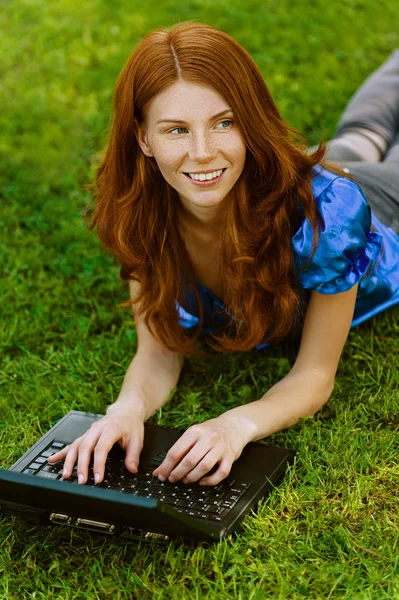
205	182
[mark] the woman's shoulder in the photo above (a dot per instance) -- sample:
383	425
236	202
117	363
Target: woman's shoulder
323	180
346	244
340	202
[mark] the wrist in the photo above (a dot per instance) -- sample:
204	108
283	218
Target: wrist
246	428
132	404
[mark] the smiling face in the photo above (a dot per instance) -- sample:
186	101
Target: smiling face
190	130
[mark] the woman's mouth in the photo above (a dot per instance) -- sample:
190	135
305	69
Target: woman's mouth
216	176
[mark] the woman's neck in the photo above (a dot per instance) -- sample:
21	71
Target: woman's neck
200	231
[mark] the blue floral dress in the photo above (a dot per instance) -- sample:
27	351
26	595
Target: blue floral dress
347	251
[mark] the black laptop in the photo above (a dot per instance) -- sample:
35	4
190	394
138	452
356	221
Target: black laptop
136	505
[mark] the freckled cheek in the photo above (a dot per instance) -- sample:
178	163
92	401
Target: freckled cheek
236	152
169	159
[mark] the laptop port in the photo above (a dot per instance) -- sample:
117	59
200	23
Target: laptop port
59	518
147	536
95	525
150	535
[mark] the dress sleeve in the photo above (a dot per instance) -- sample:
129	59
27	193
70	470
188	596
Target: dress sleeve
346	247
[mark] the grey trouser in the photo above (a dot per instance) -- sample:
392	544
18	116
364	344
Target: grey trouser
374	107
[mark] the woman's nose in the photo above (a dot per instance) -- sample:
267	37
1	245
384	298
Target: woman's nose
202	148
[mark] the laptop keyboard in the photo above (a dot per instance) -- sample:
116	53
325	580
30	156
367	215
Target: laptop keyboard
211	503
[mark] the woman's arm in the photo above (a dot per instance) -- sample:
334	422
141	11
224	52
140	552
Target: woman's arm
148	382
302	392
153	372
310	382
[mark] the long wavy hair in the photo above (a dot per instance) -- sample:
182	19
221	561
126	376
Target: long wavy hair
136	210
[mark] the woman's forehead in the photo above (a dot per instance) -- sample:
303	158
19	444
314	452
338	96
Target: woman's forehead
186	99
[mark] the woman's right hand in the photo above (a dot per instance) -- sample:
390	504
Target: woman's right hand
121	424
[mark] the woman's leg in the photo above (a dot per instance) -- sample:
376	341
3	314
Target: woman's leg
373	111
356	145
380	184
367	134
369	122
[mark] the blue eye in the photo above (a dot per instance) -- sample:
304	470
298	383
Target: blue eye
176	128
229	121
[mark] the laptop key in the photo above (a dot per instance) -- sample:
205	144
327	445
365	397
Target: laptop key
118	480
233	498
29	472
217	510
58	444
228	504
241	484
47	475
131	485
49	452
172	501
162	499
197	513
218	516
199	505
202	515
186	503
143	489
214	517
35	466
51	468
214	503
237	491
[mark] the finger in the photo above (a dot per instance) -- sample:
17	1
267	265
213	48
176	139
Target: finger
133	451
171	462
175	454
191	461
222	472
203	466
86	448
104	444
71	458
59	455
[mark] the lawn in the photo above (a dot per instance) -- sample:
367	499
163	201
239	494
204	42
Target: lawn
331	529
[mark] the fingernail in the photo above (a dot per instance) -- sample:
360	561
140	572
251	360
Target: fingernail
96	478
161	478
65	472
80	478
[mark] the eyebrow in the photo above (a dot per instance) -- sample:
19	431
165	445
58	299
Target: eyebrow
223	112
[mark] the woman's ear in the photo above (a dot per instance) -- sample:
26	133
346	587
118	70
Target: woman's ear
141	136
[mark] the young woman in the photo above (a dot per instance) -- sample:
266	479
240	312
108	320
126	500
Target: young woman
226	226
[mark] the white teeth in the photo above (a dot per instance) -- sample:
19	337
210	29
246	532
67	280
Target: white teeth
208	176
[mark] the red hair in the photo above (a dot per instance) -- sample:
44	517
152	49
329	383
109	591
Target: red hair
136	209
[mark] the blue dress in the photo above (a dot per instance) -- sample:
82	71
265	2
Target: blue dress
347	253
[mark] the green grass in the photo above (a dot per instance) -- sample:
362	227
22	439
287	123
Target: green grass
331	529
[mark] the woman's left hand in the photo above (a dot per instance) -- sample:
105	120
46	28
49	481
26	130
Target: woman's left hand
197	451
